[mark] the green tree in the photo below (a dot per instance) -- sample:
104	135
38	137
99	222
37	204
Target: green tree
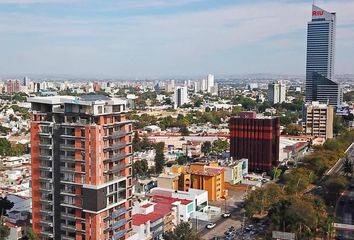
140	168
5	146
184	131
333	187
298	180
30	234
293	129
5	205
332	144
220	145
159	157
182	160
182	231
347	166
4	230
260	200
206	147
136	142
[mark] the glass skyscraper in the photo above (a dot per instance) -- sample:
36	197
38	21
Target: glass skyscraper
321	34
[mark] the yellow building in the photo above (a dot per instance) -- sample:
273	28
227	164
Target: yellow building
203	176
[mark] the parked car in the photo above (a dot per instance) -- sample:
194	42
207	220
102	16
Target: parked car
226	214
210	225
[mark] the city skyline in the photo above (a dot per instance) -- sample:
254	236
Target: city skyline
158	37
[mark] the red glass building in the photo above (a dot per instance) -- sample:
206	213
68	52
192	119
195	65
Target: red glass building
255	138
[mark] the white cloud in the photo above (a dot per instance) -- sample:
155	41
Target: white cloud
180	38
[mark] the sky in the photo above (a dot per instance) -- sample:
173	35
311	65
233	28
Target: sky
155	38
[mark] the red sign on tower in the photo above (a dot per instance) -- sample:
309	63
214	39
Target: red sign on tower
318	13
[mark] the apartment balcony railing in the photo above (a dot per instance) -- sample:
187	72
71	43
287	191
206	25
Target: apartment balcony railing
47	233
117	213
46	168
118	224
116	157
68	216
119	234
120	133
47	222
116	168
67	146
67	158
45	145
45	134
118	145
45	157
67	227
67	169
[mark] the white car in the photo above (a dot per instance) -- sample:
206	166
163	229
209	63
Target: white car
226	214
210	225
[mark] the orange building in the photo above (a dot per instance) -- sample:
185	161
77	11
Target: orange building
81	168
203	176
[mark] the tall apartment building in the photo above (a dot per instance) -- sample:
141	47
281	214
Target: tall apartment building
12	86
81	168
180	96
276	92
255	138
318	120
321	33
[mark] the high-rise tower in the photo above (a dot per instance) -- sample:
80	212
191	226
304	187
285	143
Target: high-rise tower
321	34
81	168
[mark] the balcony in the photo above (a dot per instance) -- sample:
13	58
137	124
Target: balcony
67	146
117	213
118	145
67	158
47	233
46	168
67	169
119	234
47	222
67	227
116	157
46	179
46	201
45	190
45	134
120	133
45	145
45	158
68	216
116	168
46	211
118	224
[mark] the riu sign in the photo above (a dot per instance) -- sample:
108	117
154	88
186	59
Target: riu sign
318	13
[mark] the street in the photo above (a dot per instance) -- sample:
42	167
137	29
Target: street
345	213
222	224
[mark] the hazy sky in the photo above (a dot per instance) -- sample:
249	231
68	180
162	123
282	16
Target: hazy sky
147	38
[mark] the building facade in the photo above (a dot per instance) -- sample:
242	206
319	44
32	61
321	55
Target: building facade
255	138
318	120
12	86
276	92
81	168
181	96
320	59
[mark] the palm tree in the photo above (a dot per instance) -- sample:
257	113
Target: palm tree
347	167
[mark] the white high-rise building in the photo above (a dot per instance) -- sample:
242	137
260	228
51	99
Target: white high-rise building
210	82
276	92
180	96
